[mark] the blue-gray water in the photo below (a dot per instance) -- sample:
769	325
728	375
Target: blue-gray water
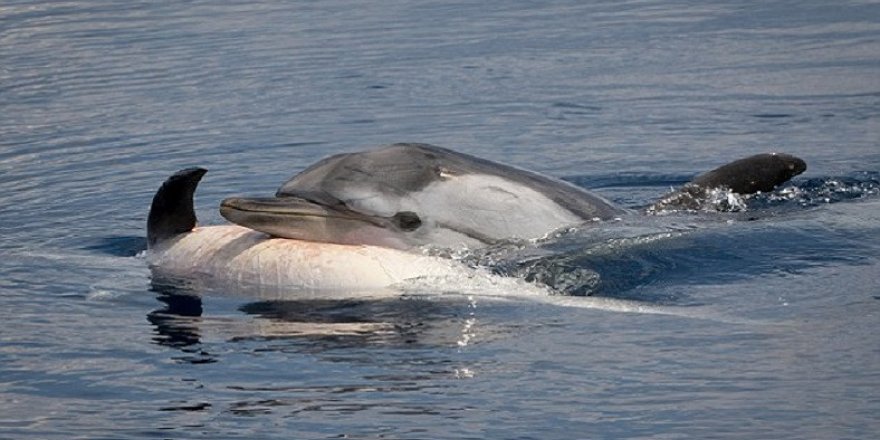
768	328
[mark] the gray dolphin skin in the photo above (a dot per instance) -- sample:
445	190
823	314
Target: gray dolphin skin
409	195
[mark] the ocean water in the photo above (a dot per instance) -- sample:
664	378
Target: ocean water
755	324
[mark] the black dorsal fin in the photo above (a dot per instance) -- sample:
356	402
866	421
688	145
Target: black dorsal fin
761	172
758	173
172	210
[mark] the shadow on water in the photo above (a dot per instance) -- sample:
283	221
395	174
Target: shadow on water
118	245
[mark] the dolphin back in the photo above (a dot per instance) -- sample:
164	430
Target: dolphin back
406	168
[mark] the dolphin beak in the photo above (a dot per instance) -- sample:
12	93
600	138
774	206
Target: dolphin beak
287	206
294	217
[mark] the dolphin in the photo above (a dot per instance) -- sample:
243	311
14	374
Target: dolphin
407	196
357	221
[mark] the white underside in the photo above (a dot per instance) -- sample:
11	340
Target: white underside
239	259
243	256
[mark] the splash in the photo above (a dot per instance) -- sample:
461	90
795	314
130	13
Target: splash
693	198
825	190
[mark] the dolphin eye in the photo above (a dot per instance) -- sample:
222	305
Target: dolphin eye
407	220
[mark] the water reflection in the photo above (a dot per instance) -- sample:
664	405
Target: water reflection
380	349
314	324
177	323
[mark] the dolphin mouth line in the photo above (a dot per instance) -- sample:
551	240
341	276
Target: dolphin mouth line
292	208
286	213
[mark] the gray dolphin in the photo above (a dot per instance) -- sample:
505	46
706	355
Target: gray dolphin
409	195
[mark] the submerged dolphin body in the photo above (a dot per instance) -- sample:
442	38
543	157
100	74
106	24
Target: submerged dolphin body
351	221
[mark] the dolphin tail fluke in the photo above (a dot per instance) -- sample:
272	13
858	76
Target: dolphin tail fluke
172	210
753	174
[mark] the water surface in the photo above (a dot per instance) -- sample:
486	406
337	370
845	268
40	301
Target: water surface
739	329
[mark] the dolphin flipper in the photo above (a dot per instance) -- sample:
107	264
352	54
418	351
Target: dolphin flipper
750	175
172	210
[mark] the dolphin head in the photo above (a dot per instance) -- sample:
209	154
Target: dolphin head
304	219
410	195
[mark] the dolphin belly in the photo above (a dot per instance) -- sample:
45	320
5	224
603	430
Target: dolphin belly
236	254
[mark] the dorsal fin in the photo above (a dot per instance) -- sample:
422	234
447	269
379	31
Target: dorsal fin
761	172
758	173
172	210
